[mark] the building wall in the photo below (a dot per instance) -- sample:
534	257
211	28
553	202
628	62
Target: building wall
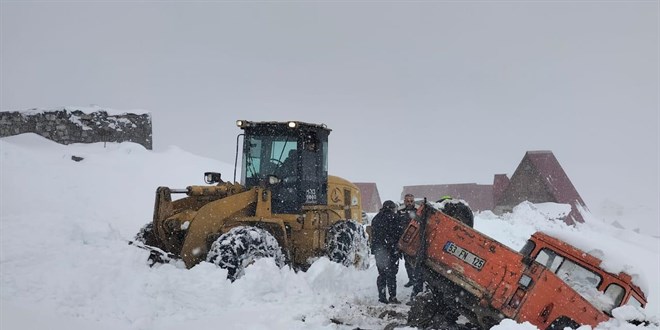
75	126
370	197
539	178
500	183
478	196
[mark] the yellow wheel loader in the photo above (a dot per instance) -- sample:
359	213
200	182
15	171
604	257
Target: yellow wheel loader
286	207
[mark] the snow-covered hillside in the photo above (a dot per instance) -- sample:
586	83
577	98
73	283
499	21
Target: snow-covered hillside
65	262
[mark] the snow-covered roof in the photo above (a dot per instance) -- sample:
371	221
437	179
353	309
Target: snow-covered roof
86	109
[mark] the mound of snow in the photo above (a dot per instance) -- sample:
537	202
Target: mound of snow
65	262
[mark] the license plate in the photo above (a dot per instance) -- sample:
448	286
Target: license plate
464	255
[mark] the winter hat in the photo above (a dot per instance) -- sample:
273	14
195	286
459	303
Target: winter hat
389	205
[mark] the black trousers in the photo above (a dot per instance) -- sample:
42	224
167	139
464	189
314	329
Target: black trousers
416	279
387	263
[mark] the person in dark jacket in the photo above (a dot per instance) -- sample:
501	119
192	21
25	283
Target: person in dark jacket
406	214
386	231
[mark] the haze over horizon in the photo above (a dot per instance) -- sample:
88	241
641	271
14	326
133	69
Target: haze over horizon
415	93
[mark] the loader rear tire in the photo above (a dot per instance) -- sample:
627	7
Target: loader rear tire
241	246
346	243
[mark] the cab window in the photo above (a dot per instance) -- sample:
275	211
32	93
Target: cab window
281	150
634	302
577	276
613	296
252	160
582	280
268	155
528	248
549	259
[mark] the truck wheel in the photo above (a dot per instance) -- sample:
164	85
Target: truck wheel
346	243
423	310
146	235
563	322
460	211
240	247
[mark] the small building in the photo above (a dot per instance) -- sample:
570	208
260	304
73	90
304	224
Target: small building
539	178
370	198
479	196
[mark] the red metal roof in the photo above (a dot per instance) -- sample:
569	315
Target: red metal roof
551	176
538	178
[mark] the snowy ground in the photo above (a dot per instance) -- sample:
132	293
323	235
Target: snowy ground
65	262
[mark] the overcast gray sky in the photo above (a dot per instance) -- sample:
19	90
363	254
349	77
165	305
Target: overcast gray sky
418	92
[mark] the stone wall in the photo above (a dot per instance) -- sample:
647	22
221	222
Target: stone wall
67	126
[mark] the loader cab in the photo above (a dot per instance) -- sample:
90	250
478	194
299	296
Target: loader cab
291	158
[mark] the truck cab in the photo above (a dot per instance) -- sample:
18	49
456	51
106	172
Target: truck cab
550	283
582	272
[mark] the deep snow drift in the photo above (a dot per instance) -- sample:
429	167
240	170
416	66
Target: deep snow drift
65	262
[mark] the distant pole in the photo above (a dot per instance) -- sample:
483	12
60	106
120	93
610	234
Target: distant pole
104	133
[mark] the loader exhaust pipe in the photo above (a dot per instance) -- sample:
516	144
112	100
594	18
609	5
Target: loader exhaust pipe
236	158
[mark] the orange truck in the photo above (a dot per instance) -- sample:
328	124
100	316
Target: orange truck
549	283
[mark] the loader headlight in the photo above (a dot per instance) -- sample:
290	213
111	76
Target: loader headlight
212	177
273	179
240	123
292	124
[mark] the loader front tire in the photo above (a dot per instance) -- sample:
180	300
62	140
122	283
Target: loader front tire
240	247
346	243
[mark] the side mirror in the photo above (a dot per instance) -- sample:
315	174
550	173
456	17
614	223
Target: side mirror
212	177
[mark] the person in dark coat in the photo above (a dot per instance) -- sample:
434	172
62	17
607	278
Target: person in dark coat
406	214
386	231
